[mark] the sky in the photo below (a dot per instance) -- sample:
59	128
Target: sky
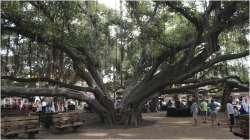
114	4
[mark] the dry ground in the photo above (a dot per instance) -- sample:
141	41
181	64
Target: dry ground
156	126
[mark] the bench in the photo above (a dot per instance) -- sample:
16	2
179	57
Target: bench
242	128
11	126
61	120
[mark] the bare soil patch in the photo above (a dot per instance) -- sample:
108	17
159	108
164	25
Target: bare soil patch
155	126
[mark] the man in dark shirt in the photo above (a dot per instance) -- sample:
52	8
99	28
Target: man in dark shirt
71	106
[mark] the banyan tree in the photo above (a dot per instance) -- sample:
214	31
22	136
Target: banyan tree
147	48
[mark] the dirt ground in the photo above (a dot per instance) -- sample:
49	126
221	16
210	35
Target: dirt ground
155	126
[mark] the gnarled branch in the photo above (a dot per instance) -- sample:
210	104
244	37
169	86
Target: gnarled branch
50	81
232	81
177	6
205	65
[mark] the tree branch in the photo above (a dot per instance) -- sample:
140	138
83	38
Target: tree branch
177	6
55	92
50	81
231	80
39	5
211	6
27	92
210	63
191	81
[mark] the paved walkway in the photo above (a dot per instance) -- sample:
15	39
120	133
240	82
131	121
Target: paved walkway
156	126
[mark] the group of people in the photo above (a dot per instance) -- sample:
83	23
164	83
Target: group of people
34	105
204	109
16	104
52	106
233	111
162	105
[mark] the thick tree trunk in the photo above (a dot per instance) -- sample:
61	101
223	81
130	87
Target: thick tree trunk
153	104
132	109
225	97
131	116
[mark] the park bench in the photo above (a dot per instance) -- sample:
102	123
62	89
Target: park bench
13	125
242	128
59	121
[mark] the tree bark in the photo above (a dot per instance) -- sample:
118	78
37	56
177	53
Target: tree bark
225	97
131	115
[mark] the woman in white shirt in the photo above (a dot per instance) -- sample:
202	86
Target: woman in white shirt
39	106
230	113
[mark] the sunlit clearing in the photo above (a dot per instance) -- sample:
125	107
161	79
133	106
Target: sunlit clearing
94	134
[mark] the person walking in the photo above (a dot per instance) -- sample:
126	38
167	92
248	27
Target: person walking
203	108
230	113
194	111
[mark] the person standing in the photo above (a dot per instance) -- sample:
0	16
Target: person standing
230	113
35	106
236	114
62	106
52	107
39	106
194	111
25	107
44	104
244	109
21	104
203	108
65	105
169	104
213	107
18	104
